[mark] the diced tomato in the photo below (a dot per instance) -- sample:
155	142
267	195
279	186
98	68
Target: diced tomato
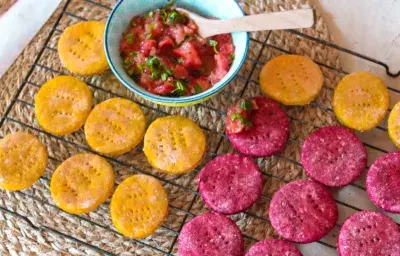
177	33
137	21
235	125
146	81
180	72
165	43
147	46
155	28
239	116
227	49
203	82
191	24
223	39
190	90
183	54
125	47
189	31
164	89
223	63
189	54
140	58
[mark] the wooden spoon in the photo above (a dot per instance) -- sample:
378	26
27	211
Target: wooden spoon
302	18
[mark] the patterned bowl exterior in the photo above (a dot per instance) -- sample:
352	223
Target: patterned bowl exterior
126	9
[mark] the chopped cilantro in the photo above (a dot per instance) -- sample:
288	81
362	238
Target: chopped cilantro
246	105
127	63
180	88
173	16
242	120
153	63
157	69
168	71
179	60
176	17
133	54
129	38
155	75
198	89
164	76
131	72
214	44
164	15
179	85
133	23
152	25
166	11
140	67
233	56
237	116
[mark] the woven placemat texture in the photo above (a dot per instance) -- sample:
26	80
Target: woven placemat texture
5	5
45	232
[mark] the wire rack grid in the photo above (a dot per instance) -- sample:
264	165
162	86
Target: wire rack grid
185	202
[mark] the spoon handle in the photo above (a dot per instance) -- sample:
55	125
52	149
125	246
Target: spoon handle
302	18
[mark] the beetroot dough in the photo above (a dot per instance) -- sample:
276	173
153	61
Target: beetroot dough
383	182
269	133
230	183
333	156
369	234
303	211
273	247
210	234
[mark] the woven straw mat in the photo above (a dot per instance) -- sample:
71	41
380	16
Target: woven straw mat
45	232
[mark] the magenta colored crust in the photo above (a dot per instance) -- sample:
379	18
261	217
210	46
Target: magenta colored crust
303	211
269	133
369	233
230	183
210	234
383	182
273	247
333	156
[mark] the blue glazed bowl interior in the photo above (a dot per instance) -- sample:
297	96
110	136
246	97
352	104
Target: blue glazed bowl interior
125	10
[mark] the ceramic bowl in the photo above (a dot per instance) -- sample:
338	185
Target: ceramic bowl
125	10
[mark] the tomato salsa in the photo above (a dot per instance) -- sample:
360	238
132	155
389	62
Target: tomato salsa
163	52
238	118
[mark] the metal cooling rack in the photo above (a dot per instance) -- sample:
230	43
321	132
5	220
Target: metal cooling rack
187	212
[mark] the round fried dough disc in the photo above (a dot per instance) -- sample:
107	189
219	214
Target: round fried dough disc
394	124
23	159
360	101
369	233
115	126
81	183
63	104
139	206
81	50
303	211
174	144
291	79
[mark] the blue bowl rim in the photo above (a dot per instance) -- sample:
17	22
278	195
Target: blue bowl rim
163	99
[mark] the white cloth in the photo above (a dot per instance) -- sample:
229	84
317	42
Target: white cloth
19	25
